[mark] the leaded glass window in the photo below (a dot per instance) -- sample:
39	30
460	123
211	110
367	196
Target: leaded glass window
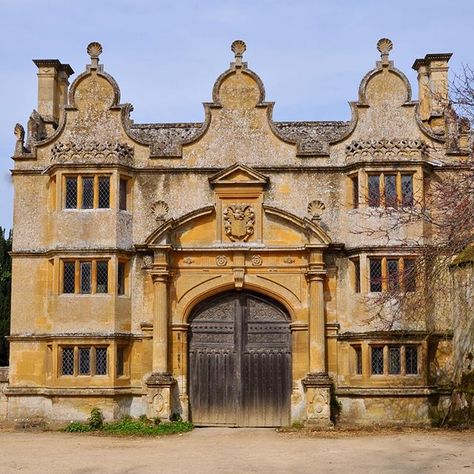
409	274
85	277
394	362
123	194
67	362
374	190
104	192
87	192
377	360
390	190
356	275
358	359
393	275
121	278
355	192
101	361
375	274
407	190
84	361
71	193
102	276
411	360
69	271
120	360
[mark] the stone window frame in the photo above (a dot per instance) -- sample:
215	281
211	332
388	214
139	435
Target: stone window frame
80	177
402	281
124	193
358	187
355	274
78	275
123	272
76	356
364	349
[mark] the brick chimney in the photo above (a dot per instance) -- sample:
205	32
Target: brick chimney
433	89
52	90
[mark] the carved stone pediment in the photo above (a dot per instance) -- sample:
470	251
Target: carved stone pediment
238	174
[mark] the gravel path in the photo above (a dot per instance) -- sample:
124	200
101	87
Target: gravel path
227	450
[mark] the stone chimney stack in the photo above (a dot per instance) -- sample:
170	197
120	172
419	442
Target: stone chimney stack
433	89
53	86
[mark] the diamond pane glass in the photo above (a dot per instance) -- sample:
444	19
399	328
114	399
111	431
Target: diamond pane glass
86	273
375	274
357	276
411	360
374	190
104	192
102	277
377	360
393	275
120	360
390	190
71	193
101	361
394	360
87	193
407	190
84	361
123	195
358	359
121	278
355	192
409	275
67	363
69	277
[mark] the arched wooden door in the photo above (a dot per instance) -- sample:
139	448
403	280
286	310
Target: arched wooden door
240	362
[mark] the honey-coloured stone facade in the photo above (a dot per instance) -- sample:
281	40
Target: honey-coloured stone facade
122	229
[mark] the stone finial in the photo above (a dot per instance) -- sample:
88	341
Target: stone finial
384	45
94	50
315	209
19	132
238	47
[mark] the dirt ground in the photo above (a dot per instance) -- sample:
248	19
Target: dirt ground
227	450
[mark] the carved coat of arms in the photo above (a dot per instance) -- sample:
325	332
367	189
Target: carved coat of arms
239	222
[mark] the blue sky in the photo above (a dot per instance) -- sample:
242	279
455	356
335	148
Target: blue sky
166	55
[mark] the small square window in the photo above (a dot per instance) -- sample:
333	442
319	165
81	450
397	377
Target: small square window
377	360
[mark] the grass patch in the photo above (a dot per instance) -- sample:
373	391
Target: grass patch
128	426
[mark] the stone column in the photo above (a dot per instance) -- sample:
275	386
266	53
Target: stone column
317	383
160	382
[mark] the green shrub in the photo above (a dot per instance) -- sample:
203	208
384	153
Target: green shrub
77	427
96	419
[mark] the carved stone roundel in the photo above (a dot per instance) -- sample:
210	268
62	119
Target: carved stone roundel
239	222
221	260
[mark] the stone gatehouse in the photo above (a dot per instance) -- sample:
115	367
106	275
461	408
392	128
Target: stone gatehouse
217	270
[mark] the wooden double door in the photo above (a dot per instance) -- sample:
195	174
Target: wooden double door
239	362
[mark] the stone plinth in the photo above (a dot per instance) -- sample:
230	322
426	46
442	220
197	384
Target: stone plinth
318	396
159	396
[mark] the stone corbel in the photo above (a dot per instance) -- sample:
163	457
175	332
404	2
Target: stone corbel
239	276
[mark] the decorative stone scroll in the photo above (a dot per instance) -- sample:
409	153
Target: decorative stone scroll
85	152
386	148
239	222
